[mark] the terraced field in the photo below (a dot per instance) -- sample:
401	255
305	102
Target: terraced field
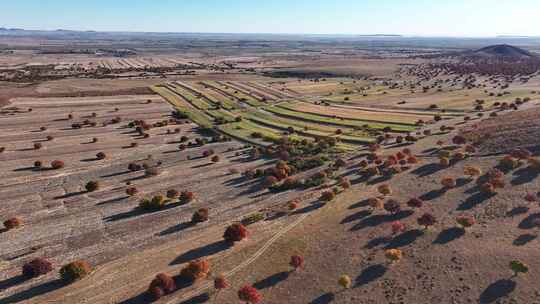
244	109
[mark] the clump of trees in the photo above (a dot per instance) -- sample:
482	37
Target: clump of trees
162	284
153	204
196	270
249	295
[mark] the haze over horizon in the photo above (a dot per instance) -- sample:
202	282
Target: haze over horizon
461	18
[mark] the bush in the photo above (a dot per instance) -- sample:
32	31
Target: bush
38	164
155	203
448	182
134	167
398	227
392	206
36	267
531	198
132	191
2	149
92	186
328	196
509	162
465	221
393	255
522	154
200	216
172	194
162	284
101	155
345	183
215	159
427	220
415	203
38	146
50	138
297	262
13	223
534	163
57	164
220	282
384	190
75	271
196	270
518	267
235	233
472	171
345	281
249	295
487	188
376	203
186	197
150	172
459	140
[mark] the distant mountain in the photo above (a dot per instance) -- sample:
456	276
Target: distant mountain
503	50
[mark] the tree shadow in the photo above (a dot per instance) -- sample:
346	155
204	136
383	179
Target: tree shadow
89	160
202	166
517	211
124	215
272	280
427	169
202	298
369	275
34	291
201	252
176	228
324	299
143	298
433	194
523	239
376	242
448	235
8	283
404	239
356	216
378	219
360	204
69	195
380	179
497	290
309	208
528	222
474	200
115	174
524	176
112	201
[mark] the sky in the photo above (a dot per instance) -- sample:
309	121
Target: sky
459	18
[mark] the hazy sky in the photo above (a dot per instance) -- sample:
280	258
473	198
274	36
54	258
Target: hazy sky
407	17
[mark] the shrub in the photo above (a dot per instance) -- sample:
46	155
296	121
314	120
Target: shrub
50	138
57	164
293	205
521	154
75	270
101	155
415	203
172	194
200	216
249	295
328	196
384	189
398	227
465	221
38	164
392	206
427	220
376	203
531	198
448	182
38	146
534	163
518	267
345	281
472	171
509	162
186	197
36	267
459	140
13	223
132	191
297	262
394	255
215	159
2	149
150	172
155	203
92	186
345	183
235	233
196	270
163	282
487	188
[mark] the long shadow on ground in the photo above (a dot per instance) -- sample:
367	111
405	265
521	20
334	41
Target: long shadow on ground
272	280
201	252
324	299
34	291
369	275
497	290
448	235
